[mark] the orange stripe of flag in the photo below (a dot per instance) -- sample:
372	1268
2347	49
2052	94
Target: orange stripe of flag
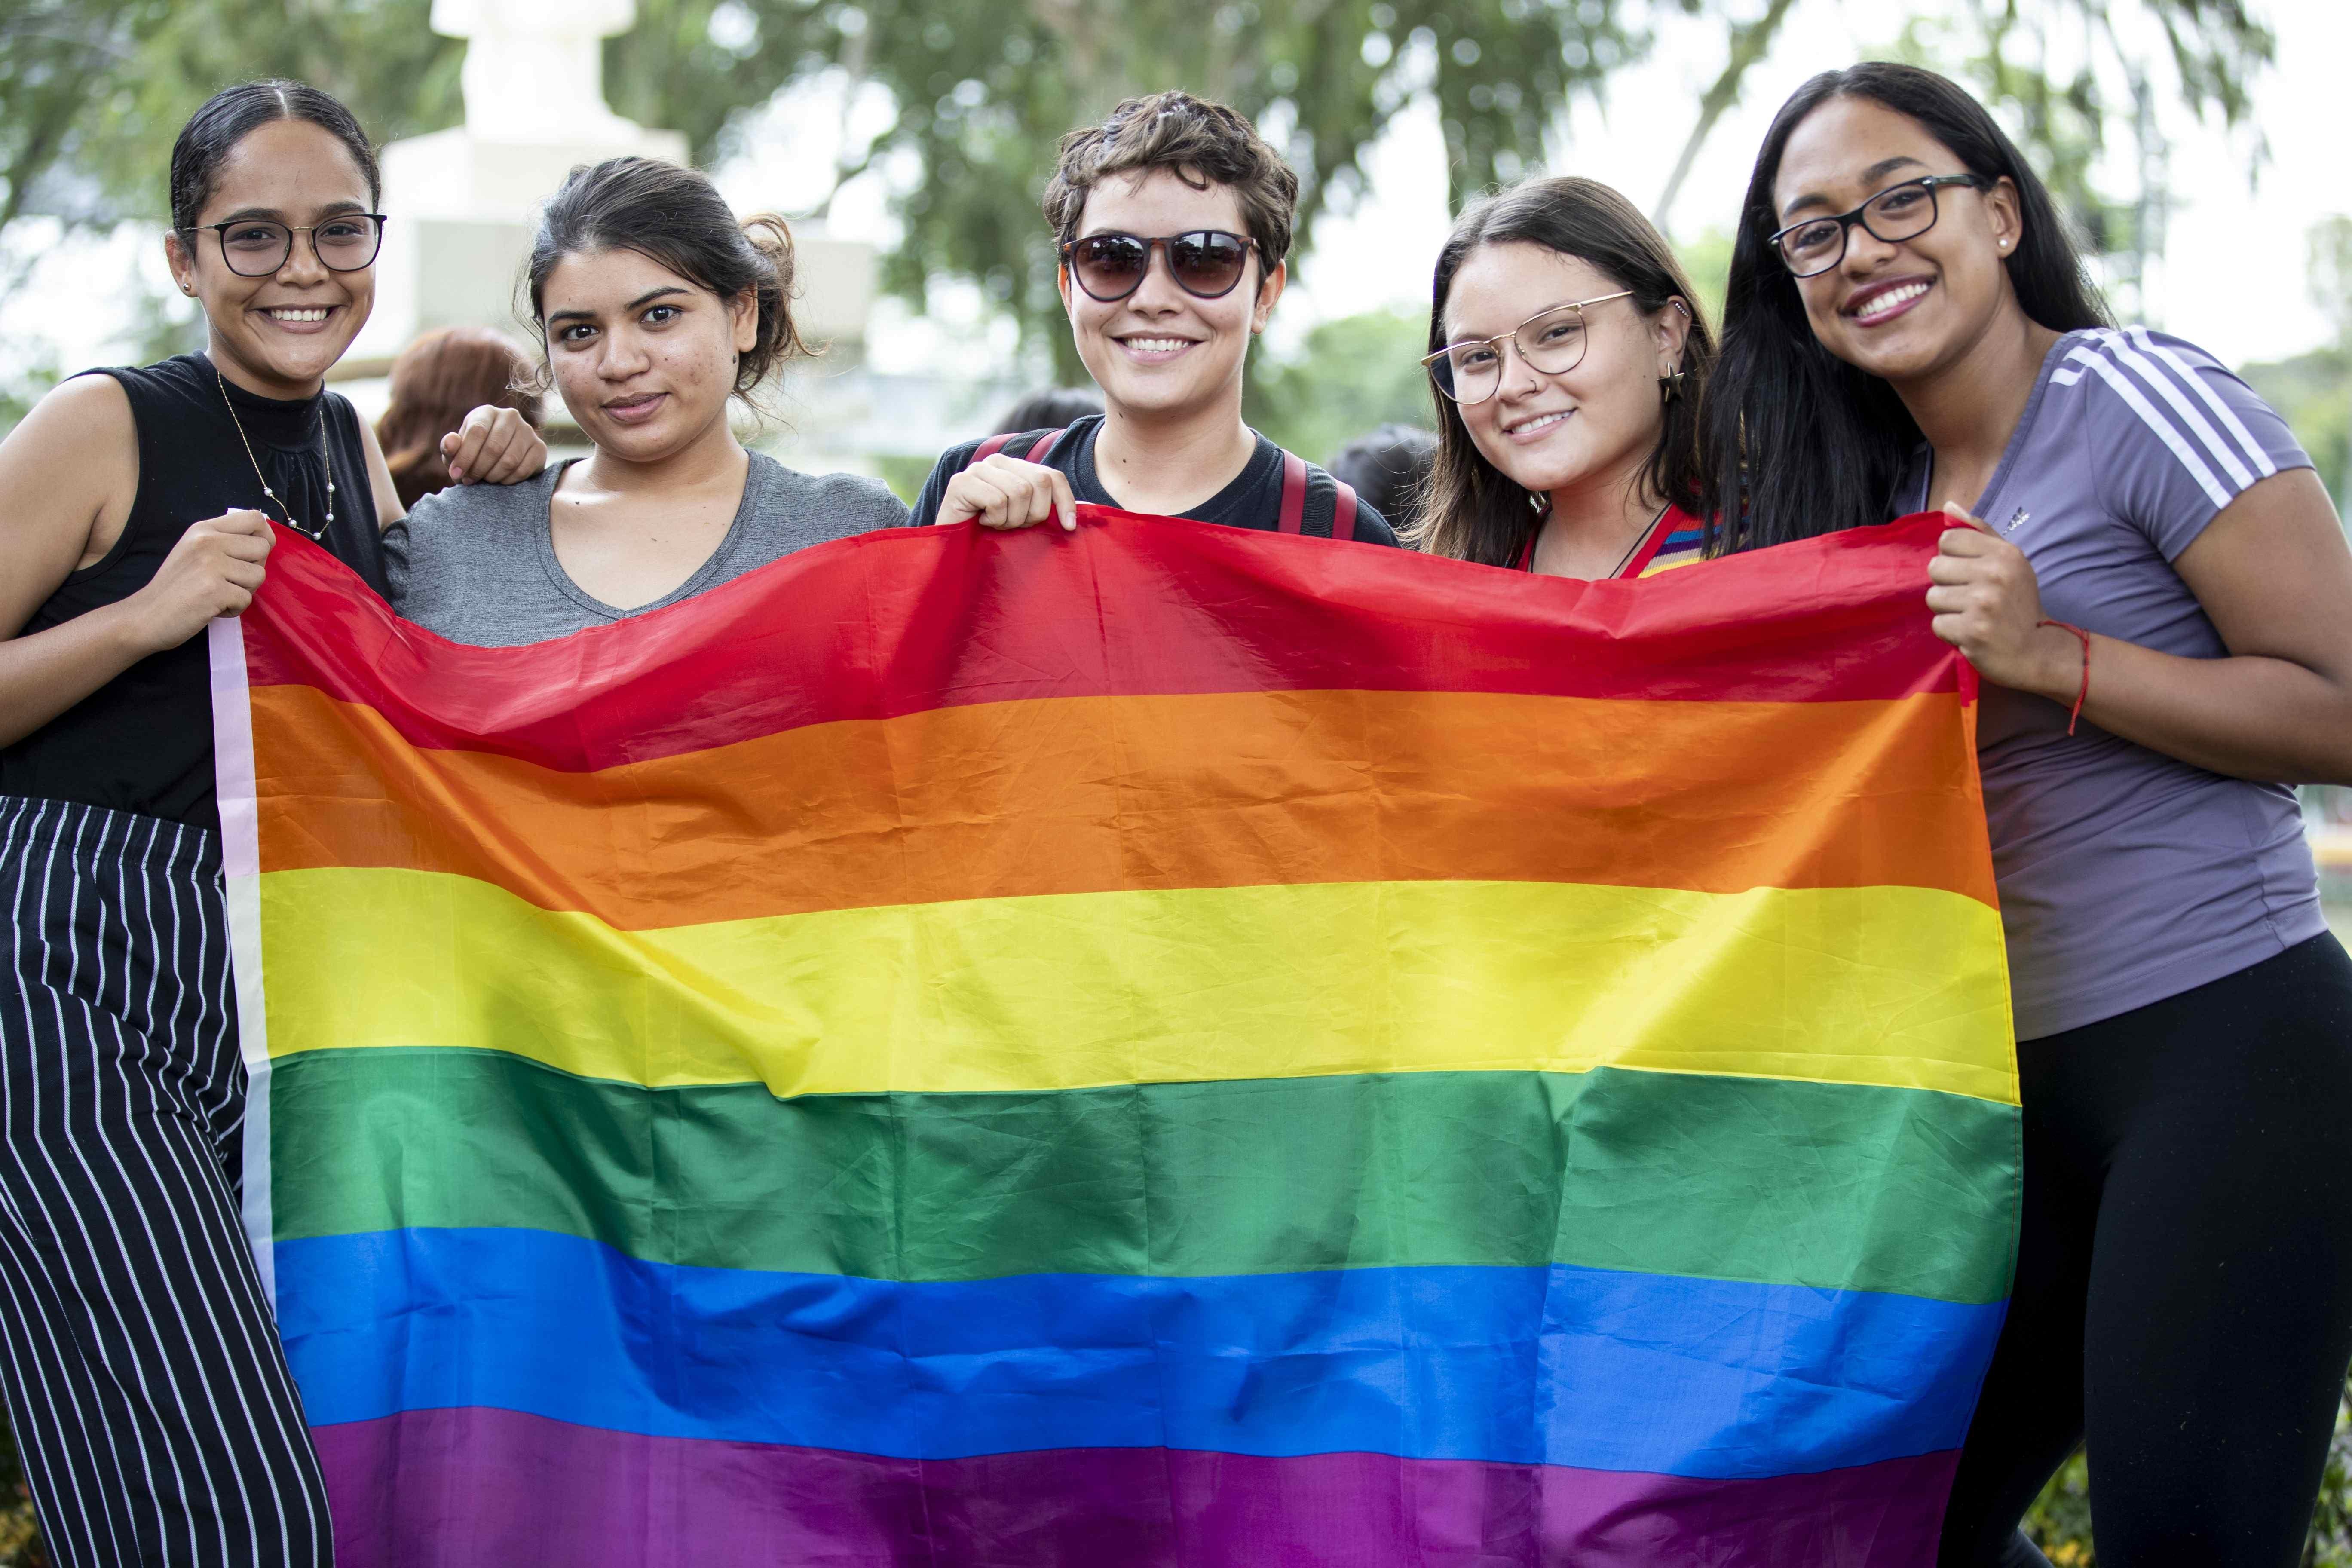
1098	794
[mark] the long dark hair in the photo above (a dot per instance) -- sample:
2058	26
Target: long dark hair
1799	442
675	216
1470	510
213	133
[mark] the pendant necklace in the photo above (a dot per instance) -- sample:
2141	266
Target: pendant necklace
319	535
1638	538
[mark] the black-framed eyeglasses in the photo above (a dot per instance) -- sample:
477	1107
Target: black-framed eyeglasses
1207	263
1813	245
1552	341
255	247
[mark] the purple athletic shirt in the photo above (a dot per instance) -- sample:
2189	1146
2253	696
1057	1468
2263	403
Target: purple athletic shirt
2127	876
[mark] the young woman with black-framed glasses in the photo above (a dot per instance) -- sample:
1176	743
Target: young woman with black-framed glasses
2157	593
1173	218
146	1386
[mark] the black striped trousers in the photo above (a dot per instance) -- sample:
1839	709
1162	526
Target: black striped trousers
149	1393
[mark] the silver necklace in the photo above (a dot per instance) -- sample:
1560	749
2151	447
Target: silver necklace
1545	517
1638	538
325	456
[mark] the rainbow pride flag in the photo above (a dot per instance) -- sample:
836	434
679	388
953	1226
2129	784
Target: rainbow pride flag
1161	1045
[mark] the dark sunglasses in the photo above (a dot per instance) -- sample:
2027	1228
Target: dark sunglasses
1207	263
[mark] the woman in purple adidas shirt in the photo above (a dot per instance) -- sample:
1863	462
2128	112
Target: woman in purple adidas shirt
2159	598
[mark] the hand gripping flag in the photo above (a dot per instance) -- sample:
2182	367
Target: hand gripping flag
1157	1046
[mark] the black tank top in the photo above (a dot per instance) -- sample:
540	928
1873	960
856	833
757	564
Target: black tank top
143	742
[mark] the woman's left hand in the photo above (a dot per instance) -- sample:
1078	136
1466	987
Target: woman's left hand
1987	604
494	445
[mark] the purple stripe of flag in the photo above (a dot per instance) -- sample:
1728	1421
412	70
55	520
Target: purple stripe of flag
488	1489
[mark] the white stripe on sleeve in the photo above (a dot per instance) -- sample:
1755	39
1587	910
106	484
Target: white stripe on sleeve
2165	387
2189	373
2140	404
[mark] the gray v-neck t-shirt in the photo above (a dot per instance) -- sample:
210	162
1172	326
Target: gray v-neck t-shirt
476	563
2127	876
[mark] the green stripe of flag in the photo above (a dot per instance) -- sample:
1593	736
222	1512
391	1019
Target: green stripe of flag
1837	1187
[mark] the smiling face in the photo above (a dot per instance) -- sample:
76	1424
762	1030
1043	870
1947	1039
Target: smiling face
646	359
1901	309
1597	423
278	336
1162	351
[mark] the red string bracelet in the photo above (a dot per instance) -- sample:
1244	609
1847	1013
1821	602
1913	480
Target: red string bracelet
2072	719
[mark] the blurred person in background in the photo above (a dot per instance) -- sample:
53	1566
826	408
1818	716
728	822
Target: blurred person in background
1051	409
437	381
1388	467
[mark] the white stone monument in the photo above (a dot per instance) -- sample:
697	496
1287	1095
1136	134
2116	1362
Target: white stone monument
462	203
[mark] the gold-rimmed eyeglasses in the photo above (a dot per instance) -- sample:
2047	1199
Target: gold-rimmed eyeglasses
1552	341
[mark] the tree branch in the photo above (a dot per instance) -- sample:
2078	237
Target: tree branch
1749	42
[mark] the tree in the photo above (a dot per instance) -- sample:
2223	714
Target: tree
56	57
2215	48
92	91
984	92
1346	377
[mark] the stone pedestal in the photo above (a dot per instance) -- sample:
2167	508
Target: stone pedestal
462	211
463	204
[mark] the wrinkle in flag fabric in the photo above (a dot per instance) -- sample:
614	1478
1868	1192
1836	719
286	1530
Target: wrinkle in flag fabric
1156	1046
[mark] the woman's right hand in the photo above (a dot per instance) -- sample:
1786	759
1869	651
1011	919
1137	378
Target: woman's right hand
212	571
1005	493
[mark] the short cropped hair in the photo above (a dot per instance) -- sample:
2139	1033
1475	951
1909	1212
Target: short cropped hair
1201	144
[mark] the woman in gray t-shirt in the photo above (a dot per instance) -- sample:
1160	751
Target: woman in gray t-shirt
2159	597
657	310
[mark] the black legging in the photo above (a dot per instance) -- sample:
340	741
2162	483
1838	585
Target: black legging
2184	1276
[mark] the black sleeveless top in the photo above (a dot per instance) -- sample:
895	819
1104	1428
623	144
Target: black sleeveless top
143	742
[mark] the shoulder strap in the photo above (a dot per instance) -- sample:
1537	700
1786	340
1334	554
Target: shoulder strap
1296	483
1343	510
1294	493
1037	453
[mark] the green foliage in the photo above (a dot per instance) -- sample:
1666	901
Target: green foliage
31	371
905	476
2313	391
92	91
2215	48
1707	260
2060	1520
20	1536
56	57
986	90
2328	246
700	66
378	56
1348	377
